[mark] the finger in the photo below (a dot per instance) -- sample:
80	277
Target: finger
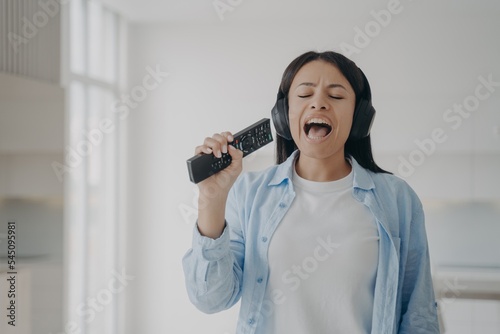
228	135
202	149
222	141
215	145
235	153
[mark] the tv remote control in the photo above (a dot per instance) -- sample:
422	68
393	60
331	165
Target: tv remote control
248	140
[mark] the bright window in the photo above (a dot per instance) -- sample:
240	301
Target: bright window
94	40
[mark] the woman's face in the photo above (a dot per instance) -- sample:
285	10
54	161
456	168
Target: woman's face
321	107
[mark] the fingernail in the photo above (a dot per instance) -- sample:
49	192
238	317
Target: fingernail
218	154
230	138
224	149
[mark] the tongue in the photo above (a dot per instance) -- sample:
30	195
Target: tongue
317	131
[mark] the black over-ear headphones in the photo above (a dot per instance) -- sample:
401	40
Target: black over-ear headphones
361	123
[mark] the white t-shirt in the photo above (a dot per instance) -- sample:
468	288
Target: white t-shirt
323	261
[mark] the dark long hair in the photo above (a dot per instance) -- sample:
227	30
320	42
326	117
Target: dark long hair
360	149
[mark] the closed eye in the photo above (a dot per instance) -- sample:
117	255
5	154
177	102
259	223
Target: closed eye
332	97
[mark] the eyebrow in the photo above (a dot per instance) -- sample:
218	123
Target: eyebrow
310	84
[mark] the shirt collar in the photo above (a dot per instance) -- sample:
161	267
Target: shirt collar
362	177
284	170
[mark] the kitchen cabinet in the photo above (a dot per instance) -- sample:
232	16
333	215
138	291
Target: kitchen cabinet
448	176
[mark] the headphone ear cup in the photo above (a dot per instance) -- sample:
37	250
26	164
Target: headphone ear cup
280	118
363	120
363	114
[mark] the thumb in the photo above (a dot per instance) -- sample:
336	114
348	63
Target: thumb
235	153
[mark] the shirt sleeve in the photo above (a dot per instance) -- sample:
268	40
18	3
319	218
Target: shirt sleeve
213	268
419	307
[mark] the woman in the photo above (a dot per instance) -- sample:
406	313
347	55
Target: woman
323	242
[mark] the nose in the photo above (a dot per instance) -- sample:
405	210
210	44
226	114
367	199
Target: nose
319	102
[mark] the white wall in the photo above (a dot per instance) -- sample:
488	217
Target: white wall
224	76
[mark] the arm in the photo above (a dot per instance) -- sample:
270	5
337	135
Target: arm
419	310
213	273
213	267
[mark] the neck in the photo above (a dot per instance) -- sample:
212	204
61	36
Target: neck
322	170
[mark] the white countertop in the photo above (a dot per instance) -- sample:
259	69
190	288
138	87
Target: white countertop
467	282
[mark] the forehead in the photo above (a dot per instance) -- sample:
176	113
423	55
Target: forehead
319	71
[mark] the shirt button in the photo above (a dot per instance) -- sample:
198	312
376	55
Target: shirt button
282	205
264	239
251	321
259	280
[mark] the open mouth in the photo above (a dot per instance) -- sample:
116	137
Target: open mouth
317	128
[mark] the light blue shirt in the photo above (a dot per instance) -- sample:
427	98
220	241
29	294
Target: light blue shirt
219	272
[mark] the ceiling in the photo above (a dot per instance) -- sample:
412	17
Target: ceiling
204	11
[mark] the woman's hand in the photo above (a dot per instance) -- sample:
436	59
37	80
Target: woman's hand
220	183
214	190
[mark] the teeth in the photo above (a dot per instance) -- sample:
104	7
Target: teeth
311	121
318	121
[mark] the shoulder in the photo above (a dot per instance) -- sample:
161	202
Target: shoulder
391	181
394	188
384	185
387	188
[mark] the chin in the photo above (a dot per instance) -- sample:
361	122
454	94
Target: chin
317	152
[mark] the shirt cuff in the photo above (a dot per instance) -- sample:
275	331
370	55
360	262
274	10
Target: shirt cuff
211	249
